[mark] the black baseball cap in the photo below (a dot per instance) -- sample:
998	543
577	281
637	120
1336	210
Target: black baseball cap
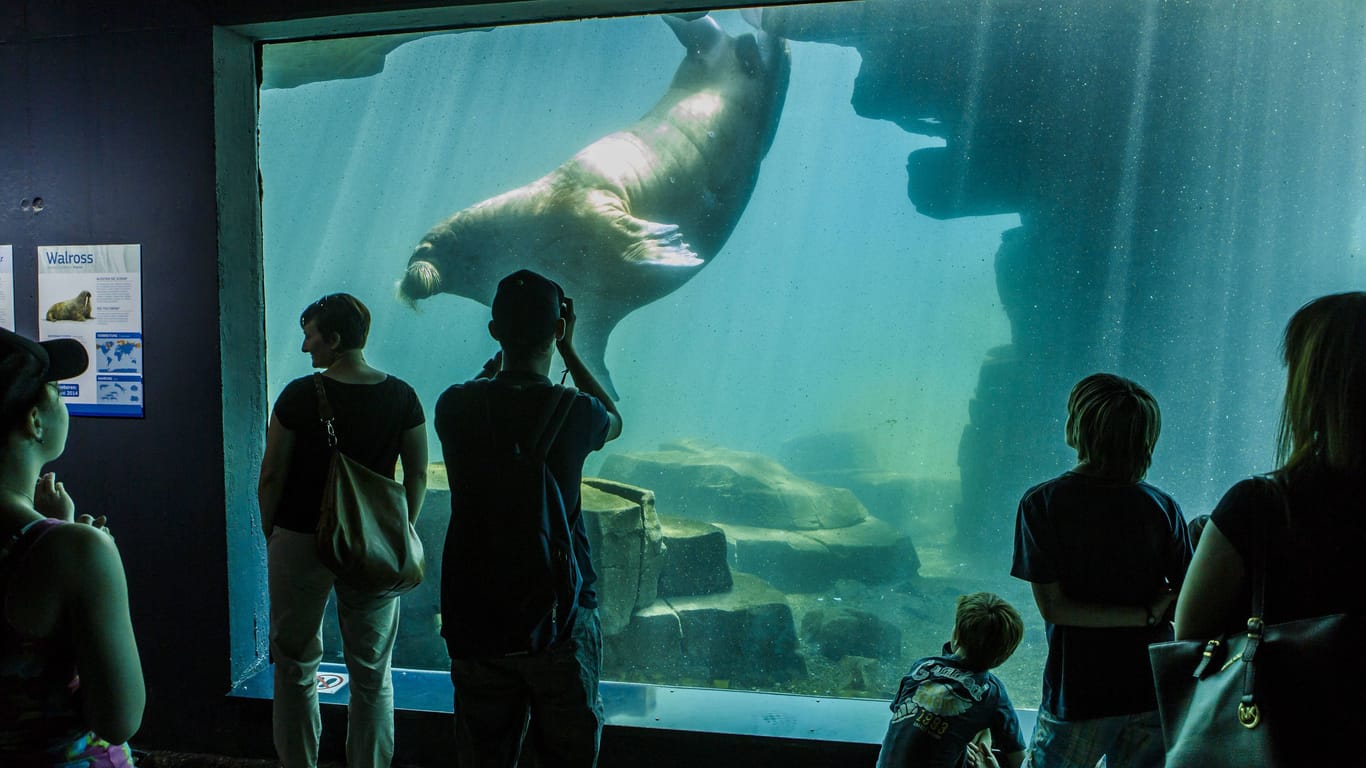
526	307
26	365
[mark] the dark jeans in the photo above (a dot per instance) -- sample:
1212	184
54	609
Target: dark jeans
549	700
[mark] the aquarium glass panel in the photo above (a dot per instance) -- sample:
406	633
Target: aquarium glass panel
840	276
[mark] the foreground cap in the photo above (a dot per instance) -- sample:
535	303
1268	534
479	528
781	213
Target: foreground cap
26	365
526	307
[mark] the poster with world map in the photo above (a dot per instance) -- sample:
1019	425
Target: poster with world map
93	293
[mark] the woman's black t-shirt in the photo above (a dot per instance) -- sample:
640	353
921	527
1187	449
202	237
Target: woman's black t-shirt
369	420
1314	557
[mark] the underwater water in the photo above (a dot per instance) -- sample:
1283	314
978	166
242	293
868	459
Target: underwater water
840	331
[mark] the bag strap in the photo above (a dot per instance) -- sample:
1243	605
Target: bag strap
21	542
1249	714
1260	551
324	410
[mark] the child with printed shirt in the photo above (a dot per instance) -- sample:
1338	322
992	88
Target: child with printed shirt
951	710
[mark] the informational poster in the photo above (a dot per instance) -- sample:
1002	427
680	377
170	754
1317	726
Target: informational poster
93	293
7	287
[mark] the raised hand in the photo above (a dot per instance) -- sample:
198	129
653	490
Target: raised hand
50	499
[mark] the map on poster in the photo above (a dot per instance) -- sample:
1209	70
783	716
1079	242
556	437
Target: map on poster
93	293
7	287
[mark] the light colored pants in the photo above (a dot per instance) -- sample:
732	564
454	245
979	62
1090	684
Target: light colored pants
299	586
1125	741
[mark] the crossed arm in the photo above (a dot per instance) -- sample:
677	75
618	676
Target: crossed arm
1058	608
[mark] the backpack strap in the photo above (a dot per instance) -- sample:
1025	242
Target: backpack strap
547	425
553	421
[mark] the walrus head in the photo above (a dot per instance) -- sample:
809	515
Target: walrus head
421	279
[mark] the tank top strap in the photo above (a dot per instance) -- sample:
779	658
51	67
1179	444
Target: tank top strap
20	542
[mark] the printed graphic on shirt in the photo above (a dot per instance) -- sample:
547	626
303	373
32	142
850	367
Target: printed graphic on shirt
937	700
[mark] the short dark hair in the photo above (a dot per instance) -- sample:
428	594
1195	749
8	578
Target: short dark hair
342	314
986	630
525	308
1113	423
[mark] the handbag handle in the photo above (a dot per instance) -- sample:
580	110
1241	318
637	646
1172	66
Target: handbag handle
1249	714
325	410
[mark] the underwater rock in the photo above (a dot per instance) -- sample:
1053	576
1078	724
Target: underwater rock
848	460
714	484
628	548
811	561
742	637
824	452
838	632
859	675
890	496
419	644
623	531
696	562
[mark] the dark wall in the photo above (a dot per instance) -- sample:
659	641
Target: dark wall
108	112
114	131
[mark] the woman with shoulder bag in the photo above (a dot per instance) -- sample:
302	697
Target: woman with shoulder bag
1299	534
378	420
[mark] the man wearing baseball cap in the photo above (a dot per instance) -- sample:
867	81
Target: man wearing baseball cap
490	429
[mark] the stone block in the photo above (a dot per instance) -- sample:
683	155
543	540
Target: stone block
829	452
812	561
696	562
742	637
628	548
713	484
837	632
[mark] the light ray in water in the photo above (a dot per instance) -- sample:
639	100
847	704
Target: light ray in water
972	102
1117	277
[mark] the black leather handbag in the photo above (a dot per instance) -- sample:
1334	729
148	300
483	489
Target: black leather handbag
1276	695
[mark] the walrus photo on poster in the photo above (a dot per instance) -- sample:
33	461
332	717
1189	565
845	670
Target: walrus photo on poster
93	293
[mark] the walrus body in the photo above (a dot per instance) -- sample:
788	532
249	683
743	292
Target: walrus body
79	308
637	213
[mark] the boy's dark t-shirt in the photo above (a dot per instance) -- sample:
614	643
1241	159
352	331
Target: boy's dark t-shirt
462	422
940	707
1101	541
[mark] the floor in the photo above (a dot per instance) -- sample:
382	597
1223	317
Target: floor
185	760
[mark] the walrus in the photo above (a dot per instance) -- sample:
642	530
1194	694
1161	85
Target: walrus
636	214
79	308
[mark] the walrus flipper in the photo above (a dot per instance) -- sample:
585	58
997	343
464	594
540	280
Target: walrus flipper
658	244
645	242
